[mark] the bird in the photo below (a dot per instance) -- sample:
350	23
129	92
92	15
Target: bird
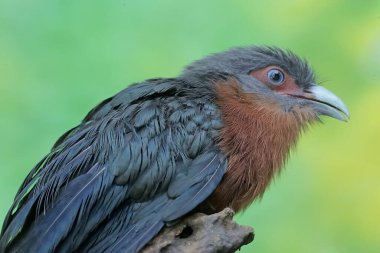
213	137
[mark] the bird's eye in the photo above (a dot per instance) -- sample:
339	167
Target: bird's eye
276	76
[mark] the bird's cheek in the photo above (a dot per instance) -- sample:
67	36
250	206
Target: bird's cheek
289	87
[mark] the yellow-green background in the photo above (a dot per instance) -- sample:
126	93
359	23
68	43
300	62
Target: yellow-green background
59	58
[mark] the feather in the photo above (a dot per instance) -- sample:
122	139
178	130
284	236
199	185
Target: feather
105	185
76	199
109	201
132	225
137	237
199	188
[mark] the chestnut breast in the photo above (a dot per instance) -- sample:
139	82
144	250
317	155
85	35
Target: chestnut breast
256	138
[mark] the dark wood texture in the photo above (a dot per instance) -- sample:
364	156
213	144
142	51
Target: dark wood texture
202	233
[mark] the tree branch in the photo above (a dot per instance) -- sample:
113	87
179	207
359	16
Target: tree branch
202	233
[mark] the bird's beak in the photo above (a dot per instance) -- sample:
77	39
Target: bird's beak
324	102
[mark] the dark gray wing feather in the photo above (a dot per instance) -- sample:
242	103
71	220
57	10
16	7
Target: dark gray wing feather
142	158
146	219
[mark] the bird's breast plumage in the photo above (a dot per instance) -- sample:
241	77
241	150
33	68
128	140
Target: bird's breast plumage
256	138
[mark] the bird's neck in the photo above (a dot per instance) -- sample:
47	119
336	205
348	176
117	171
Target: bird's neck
257	137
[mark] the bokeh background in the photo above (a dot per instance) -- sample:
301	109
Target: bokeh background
60	58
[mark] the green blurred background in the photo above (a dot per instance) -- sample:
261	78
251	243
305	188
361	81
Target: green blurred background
60	58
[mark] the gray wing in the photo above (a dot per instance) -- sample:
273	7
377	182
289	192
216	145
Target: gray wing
142	158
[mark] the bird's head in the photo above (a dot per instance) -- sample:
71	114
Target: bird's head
272	74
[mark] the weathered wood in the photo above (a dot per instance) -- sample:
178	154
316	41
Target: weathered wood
202	233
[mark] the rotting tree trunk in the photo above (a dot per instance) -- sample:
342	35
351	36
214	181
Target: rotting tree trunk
202	233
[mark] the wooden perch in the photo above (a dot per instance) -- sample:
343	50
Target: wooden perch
202	233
